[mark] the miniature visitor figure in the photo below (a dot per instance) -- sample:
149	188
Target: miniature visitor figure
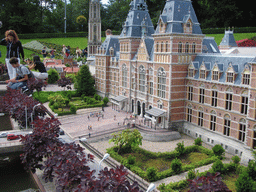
64	48
14	49
52	53
67	51
44	52
22	75
78	52
38	65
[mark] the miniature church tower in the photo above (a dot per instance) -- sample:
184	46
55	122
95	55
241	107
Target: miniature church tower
94	32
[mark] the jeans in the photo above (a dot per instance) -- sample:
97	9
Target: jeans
18	85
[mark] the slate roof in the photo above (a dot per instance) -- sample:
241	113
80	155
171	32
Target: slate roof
228	39
210	45
155	112
176	13
111	41
223	62
137	15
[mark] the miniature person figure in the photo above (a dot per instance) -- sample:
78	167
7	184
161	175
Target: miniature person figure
67	51
38	65
78	52
52	53
22	75
44	52
14	49
114	117
64	48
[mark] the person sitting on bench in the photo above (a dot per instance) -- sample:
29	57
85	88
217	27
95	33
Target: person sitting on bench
22	75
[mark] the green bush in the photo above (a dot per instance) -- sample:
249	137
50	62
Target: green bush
105	101
218	150
244	183
180	148
191	174
236	159
53	76
131	160
176	165
51	102
55	106
97	97
198	141
151	174
73	109
251	169
218	166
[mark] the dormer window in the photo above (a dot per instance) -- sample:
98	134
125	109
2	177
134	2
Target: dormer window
230	77
246	76
202	73
188	27
111	51
191	72
215	74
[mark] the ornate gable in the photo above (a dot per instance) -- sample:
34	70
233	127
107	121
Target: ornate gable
142	52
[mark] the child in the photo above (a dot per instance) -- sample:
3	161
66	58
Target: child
38	65
22	75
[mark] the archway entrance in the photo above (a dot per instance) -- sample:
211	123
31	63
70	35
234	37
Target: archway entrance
139	108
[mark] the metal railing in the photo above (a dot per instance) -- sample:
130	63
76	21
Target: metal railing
143	184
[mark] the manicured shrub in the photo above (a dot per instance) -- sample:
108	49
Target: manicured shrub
180	148
151	174
251	169
131	160
55	106
218	150
244	183
73	109
105	100
236	159
53	76
218	166
198	141
191	174
176	165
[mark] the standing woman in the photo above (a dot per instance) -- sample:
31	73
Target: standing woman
14	49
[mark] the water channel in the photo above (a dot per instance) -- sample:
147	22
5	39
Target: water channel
13	176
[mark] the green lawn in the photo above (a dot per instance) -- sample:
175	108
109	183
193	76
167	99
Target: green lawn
82	42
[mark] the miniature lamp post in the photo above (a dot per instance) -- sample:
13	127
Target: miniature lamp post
104	157
151	187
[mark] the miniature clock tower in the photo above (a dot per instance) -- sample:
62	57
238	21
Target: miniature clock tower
94	32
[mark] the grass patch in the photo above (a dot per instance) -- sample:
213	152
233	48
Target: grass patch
230	180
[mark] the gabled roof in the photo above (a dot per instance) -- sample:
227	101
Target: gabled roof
111	41
176	13
210	45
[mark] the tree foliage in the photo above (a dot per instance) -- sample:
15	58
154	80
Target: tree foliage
84	82
127	139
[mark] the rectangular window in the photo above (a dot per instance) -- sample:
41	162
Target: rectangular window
215	75
242	129
189	115
226	127
201	96
190	93
228	101
230	77
213	122
244	105
246	79
214	98
254	140
200	118
151	88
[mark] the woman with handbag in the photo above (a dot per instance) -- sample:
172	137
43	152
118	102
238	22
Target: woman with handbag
14	49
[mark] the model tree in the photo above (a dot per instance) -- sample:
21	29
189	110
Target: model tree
84	82
127	139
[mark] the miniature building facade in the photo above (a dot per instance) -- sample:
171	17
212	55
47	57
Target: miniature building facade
175	76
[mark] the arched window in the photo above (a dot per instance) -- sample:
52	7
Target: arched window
226	130
200	116
151	80
187	48
180	47
194	47
213	120
242	130
229	98
142	78
124	75
161	82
